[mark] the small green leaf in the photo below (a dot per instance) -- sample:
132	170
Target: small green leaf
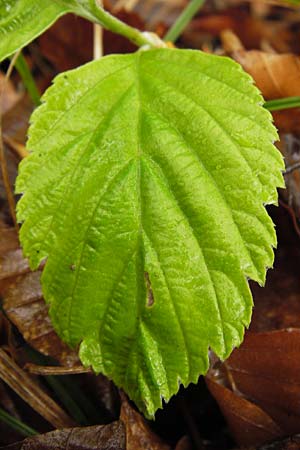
21	21
145	191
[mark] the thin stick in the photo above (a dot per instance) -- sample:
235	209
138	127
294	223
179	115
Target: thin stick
183	20
292	215
98	38
98	41
55	370
16	147
290	169
5	176
19	381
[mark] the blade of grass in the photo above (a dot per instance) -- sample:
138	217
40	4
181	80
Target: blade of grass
16	424
70	395
28	80
67	400
183	20
282	103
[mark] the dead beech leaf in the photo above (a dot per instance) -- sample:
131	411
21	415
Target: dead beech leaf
248	423
100	437
276	75
266	369
264	372
138	433
23	302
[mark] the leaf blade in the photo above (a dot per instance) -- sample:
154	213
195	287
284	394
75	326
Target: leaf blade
147	236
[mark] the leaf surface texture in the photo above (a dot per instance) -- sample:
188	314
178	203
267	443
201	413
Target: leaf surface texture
145	190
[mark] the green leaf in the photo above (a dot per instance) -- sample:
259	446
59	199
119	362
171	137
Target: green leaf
145	191
21	21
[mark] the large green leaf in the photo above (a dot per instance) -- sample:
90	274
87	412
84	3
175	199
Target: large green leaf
145	191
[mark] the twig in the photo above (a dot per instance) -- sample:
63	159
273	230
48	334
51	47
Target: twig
98	38
5	176
183	20
18	380
55	370
292	215
98	41
17	148
291	168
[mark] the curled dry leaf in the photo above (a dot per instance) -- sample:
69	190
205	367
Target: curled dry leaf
100	437
261	387
276	75
23	302
138	433
248	423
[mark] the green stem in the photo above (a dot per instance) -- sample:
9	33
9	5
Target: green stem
117	26
28	80
16	424
282	103
183	20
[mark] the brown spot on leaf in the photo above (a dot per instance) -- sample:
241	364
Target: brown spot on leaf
150	296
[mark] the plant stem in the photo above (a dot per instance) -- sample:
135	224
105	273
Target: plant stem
282	103
28	80
117	26
16	424
185	17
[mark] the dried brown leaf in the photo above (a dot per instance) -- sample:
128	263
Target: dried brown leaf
138	433
24	304
259	385
248	423
276	75
100	437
